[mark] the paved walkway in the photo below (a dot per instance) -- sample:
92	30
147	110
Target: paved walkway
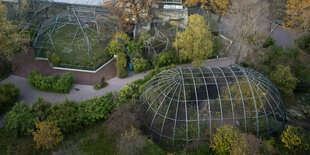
77	93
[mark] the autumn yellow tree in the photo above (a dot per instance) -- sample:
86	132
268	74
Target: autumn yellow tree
47	135
220	7
298	15
293	141
128	12
196	41
229	140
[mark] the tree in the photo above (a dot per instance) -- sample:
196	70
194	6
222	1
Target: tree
220	7
282	77
228	140
246	15
298	13
20	120
130	11
47	135
11	37
293	141
114	47
121	64
196	41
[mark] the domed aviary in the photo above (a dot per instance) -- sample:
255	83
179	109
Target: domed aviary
187	104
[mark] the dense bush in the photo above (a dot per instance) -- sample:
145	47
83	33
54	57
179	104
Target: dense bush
95	109
114	47
9	95
5	68
135	49
40	108
269	42
203	149
133	90
228	140
304	43
20	120
166	58
121	64
140	65
65	115
47	135
54	83
53	58
152	149
282	77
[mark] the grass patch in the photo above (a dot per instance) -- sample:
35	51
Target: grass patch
78	53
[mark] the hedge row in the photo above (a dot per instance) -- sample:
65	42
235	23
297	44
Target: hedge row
69	116
53	83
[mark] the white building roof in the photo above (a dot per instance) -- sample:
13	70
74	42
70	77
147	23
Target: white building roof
80	2
76	2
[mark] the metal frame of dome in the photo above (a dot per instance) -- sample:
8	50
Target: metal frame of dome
218	96
78	16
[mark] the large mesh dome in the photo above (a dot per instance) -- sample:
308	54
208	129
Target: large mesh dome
187	104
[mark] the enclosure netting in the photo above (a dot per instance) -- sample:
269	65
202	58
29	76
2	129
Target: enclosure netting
186	104
78	36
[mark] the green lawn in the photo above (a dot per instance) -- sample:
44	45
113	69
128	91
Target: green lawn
78	53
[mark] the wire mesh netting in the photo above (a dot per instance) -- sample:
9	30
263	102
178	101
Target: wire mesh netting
187	104
78	36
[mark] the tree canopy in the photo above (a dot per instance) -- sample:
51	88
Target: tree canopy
218	6
127	11
11	37
196	41
298	15
283	78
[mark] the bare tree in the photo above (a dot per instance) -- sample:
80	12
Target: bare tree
130	12
248	17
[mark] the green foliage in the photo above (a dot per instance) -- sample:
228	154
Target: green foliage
40	108
304	43
11	37
269	42
152	149
53	58
5	69
135	49
203	149
296	140
302	72
282	77
54	83
140	65
121	64
101	85
95	109
166	58
20	120
9	95
134	89
65	115
114	47
228	140
47	135
196	41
